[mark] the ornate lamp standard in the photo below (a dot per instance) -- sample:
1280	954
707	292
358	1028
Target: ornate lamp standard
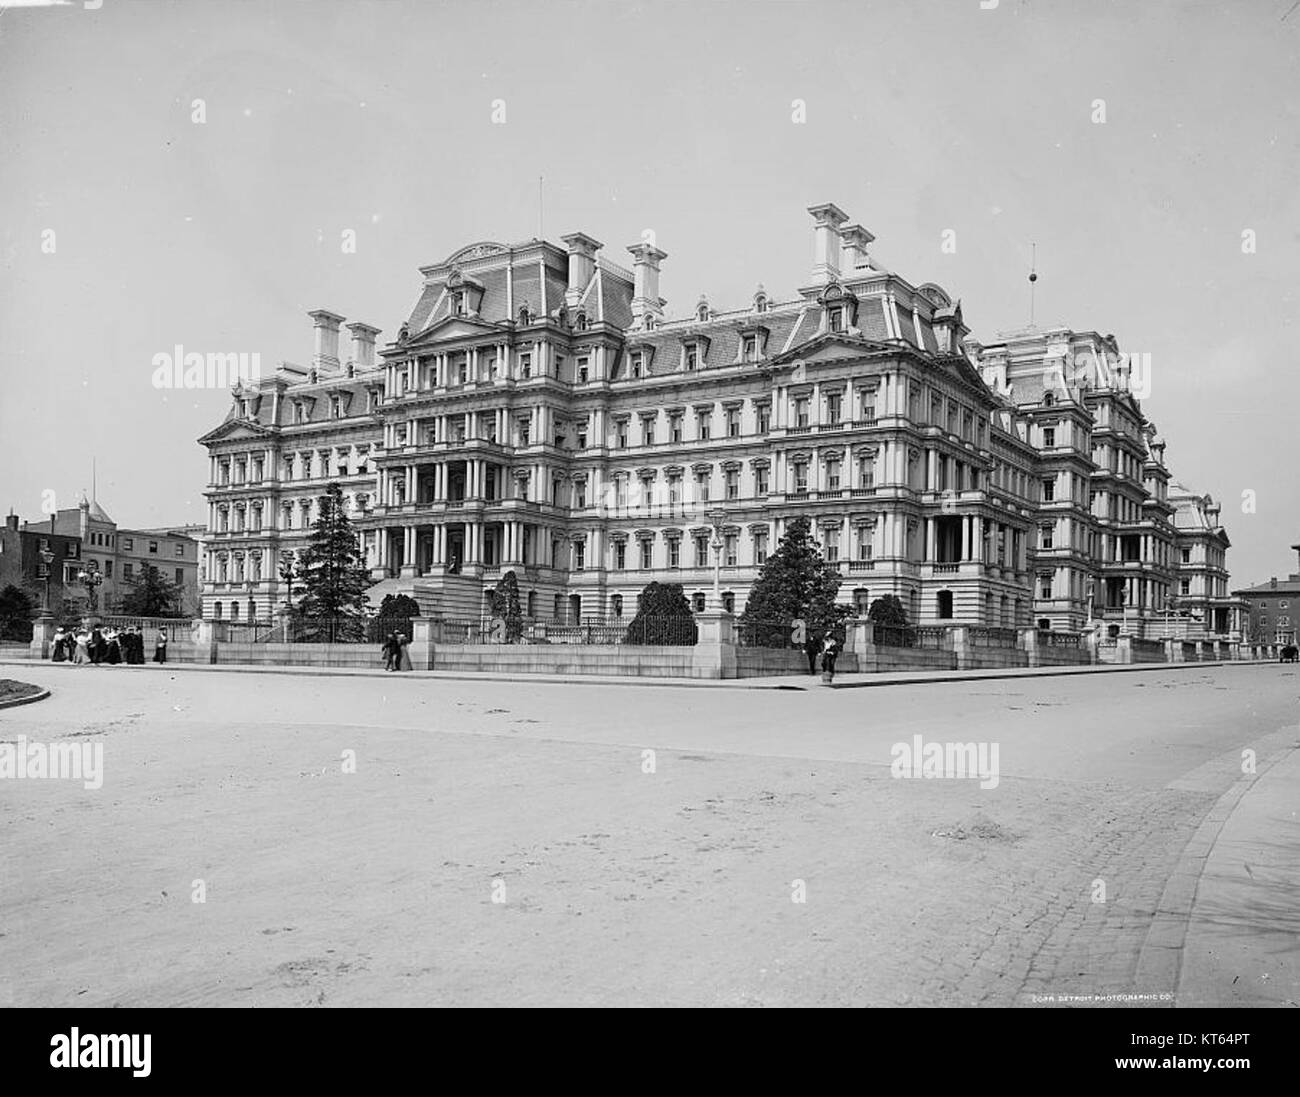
90	578
47	558
717	517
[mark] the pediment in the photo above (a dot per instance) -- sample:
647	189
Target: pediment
832	347
237	430
450	328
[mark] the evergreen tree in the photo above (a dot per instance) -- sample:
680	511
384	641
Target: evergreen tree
152	594
17	608
395	614
504	603
888	610
332	576
663	617
795	582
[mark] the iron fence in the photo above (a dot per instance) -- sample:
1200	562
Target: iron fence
981	637
672	631
1059	639
934	638
764	634
894	636
177	629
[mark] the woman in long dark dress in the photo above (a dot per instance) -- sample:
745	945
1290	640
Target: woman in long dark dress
160	648
113	654
403	656
60	653
96	645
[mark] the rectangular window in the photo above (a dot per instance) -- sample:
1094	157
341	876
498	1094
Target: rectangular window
180	576
128	543
733	422
692	358
760	481
702	487
733	484
867	471
108	569
525	365
1046	534
153	547
836	319
800	478
1049	437
801	412
674	491
1049	490
579	555
638	364
832	476
701	550
760	547
833	403
584	368
620	555
1185	586
674	553
127	569
831	544
675	427
764	418
580	495
647	554
647	432
621	428
1044	586
703	422
1186	556
751	348
729	549
864	542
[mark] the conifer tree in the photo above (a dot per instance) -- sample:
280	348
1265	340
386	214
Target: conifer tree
505	604
794	583
332	577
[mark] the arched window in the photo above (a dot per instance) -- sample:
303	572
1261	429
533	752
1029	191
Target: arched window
525	317
697	601
581	322
216	611
1048	399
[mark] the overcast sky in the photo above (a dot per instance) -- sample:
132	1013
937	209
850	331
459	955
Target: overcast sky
378	118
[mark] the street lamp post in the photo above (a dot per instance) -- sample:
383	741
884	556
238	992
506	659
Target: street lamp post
90	578
47	558
717	517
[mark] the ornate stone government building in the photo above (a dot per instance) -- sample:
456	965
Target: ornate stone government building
540	411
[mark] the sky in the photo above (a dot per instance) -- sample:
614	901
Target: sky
185	173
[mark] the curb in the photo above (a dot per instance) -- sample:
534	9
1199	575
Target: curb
1160	960
992	674
41	696
774	682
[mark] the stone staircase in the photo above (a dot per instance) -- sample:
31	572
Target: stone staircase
436	595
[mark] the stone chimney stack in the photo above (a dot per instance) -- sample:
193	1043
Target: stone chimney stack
853	248
645	273
326	355
11	520
363	345
827	219
582	265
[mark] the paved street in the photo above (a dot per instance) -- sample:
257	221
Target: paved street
623	887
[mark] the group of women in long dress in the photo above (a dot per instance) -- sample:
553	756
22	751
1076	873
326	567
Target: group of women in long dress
108	645
396	657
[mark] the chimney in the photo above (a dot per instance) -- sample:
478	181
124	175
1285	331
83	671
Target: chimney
853	247
12	521
645	271
827	219
582	265
363	345
326	356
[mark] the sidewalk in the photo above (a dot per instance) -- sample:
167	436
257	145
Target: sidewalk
784	681
1242	944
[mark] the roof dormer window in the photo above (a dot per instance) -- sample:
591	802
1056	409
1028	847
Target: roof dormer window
692	359
458	304
581	322
525	316
702	311
835	318
760	300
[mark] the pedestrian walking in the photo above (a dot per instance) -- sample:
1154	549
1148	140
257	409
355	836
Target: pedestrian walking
96	646
830	649
403	656
113	647
160	648
60	652
390	651
81	652
810	648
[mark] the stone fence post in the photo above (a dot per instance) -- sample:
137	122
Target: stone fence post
420	648
961	646
207	636
1123	649
715	650
42	634
1029	641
